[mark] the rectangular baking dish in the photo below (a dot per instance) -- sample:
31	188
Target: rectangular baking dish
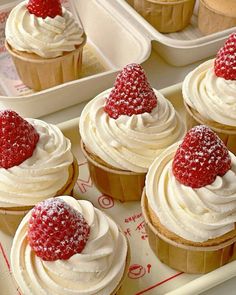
184	47
147	275
112	43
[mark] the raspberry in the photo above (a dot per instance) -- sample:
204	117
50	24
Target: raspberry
18	139
200	158
56	230
45	8
131	93
225	62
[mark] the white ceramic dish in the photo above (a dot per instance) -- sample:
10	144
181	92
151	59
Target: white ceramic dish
184	47
112	43
147	275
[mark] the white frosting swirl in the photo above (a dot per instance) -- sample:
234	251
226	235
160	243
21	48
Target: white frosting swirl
48	37
98	269
43	174
213	97
130	143
193	214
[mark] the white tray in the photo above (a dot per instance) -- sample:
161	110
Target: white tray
147	274
184	47
112	43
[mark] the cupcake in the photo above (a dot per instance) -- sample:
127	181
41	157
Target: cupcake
215	15
166	16
36	162
65	246
209	93
189	203
123	130
45	43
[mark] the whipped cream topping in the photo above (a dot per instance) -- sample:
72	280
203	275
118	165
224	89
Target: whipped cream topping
98	269
43	174
48	37
213	97
130	142
196	215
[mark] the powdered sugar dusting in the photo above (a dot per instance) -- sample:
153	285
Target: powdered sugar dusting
200	158
225	62
131	94
56	230
18	139
45	9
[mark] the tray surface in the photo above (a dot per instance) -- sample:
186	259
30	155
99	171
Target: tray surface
147	275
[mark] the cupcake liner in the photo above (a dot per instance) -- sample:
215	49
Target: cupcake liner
189	259
118	289
66	190
131	2
211	21
41	73
166	17
225	132
119	184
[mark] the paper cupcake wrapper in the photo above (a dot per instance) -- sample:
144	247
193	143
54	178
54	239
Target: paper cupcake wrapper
41	73
210	21
226	133
118	289
166	17
67	190
189	259
118	184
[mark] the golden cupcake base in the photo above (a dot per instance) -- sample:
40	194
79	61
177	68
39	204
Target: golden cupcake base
211	21
41	73
166	16
119	184
177	254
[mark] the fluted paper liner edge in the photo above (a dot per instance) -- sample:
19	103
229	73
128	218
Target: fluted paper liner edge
210	21
182	257
119	184
126	270
166	17
40	74
67	190
227	134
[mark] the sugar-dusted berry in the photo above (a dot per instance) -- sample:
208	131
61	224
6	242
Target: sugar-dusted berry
18	139
45	8
56	230
131	94
225	62
200	158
